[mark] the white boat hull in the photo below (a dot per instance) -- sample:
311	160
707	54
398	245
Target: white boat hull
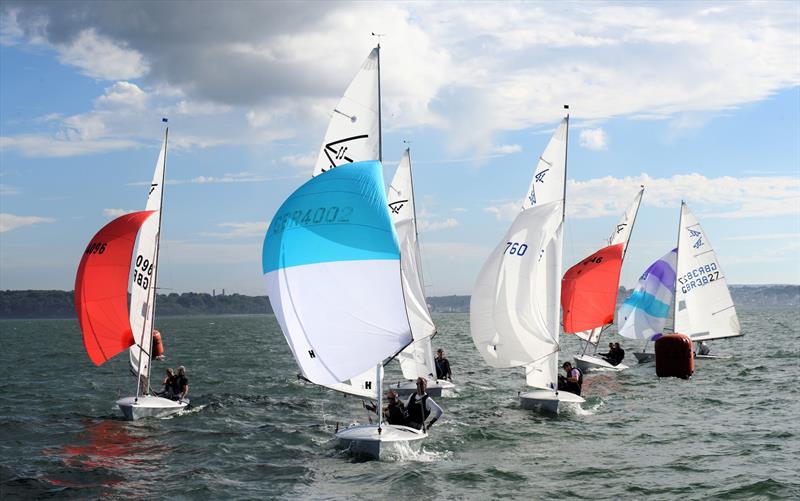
364	440
436	389
644	357
149	406
587	363
713	357
547	401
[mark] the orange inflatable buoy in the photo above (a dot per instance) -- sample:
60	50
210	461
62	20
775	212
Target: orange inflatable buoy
674	356
158	346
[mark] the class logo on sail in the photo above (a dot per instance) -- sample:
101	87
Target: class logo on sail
337	151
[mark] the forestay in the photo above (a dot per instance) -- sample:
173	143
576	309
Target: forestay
354	129
417	359
144	272
332	267
704	307
101	287
644	313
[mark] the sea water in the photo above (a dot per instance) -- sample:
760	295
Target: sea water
256	431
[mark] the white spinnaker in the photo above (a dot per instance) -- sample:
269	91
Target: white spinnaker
353	133
621	234
704	307
417	359
144	272
514	306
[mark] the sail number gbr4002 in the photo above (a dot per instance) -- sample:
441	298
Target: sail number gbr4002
315	215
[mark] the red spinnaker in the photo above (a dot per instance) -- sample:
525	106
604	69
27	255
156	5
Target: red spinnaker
101	287
589	290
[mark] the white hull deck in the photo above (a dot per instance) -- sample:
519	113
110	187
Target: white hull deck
587	363
365	441
547	401
148	406
436	389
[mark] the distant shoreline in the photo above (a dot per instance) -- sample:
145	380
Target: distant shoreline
43	304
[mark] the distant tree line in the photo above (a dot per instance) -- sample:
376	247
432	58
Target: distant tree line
59	304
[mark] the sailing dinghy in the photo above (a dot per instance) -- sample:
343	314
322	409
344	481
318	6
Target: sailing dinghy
514	309
417	359
332	266
101	296
703	307
589	292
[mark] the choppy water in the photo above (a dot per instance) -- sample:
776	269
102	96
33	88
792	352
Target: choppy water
255	431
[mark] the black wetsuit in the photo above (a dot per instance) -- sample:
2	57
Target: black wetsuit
395	414
417	410
178	384
442	368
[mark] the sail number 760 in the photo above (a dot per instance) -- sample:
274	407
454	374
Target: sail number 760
516	248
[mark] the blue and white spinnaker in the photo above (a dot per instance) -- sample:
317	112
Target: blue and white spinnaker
332	266
644	313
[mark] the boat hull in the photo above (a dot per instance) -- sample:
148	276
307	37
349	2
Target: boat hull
149	406
365	441
438	388
644	357
587	363
547	401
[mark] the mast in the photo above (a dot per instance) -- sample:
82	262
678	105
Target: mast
566	152
379	389
151	310
380	128
677	267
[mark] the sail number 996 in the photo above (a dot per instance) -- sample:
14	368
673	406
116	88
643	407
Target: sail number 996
95	248
142	272
516	248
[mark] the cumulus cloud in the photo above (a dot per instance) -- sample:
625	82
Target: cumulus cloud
116	212
428	225
505	212
475	72
594	139
506	149
301	161
10	222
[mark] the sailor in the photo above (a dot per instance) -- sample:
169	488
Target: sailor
394	412
703	348
180	385
169	379
573	381
442	366
619	354
419	406
608	357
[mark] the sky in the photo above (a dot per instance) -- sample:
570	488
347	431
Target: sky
698	101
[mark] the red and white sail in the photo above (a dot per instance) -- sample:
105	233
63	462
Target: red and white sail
101	287
589	289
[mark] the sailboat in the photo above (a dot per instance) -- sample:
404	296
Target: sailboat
589	292
417	359
108	325
514	309
332	267
703	307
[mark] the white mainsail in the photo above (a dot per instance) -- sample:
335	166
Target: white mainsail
143	295
417	359
353	133
704	308
621	234
515	305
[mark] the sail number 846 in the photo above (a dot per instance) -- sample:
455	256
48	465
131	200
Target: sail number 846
516	248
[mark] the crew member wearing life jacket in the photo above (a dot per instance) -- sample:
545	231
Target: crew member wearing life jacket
395	411
419	406
573	382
